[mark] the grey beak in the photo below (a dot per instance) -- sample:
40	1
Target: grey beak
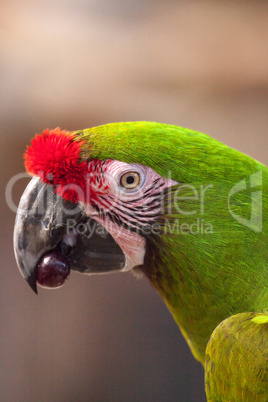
42	223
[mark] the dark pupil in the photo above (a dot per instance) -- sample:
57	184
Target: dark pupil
130	179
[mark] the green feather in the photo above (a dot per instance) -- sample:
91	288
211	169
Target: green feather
260	319
209	260
237	360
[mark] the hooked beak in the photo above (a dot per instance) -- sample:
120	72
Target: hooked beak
45	222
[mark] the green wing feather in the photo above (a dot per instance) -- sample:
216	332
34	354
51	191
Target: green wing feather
236	366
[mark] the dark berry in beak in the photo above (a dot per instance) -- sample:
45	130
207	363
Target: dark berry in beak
53	269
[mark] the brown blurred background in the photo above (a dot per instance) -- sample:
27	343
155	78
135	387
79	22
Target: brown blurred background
77	63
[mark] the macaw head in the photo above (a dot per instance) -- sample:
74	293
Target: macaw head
95	197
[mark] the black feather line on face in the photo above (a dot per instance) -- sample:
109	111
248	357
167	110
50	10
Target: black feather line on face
114	218
142	223
142	208
155	200
137	212
153	186
101	168
142	197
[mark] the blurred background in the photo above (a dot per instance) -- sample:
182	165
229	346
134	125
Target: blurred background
78	63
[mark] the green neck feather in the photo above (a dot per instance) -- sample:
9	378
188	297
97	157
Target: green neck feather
207	263
208	266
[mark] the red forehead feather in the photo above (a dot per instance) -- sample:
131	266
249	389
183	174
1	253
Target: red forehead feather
54	156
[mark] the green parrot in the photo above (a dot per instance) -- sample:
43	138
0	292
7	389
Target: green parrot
172	204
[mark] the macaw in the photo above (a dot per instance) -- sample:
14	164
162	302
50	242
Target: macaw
172	204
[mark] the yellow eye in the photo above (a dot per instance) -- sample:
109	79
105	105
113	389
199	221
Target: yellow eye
130	180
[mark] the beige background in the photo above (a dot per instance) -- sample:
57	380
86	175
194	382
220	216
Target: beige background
78	63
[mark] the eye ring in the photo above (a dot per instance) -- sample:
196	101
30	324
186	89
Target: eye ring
130	180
